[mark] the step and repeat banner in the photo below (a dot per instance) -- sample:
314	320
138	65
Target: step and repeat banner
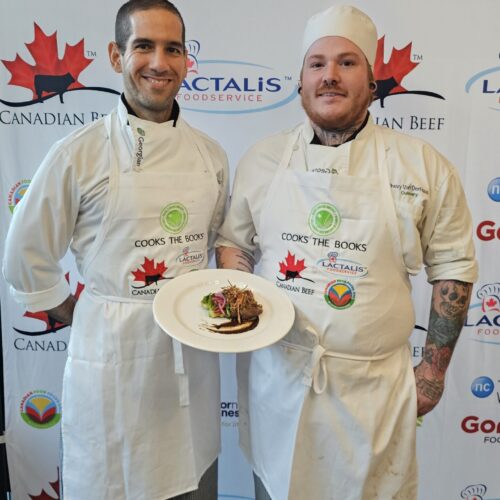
440	63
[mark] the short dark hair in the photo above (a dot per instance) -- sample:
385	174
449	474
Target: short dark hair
123	27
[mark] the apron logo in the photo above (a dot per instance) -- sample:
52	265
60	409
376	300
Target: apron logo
340	294
190	257
149	273
342	267
324	219
292	268
174	217
140	131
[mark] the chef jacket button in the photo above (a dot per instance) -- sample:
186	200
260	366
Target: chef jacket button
296	147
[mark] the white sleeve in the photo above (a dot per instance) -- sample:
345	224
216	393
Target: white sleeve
40	233
447	245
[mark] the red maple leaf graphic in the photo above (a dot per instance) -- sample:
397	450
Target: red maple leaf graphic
45	496
43	49
291	268
150	273
51	323
389	76
491	304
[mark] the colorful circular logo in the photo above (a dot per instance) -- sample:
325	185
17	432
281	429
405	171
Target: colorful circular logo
340	294
494	189
40	409
324	219
174	217
17	191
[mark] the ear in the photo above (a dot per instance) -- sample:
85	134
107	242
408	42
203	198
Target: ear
115	57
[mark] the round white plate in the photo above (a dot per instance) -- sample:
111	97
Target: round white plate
177	309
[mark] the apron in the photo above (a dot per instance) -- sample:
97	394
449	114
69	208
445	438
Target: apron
134	426
330	411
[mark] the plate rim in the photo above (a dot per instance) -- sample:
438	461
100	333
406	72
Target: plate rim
223	344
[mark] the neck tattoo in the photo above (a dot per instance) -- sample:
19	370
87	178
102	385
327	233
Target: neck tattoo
336	137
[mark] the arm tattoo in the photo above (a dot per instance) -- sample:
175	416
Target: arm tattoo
450	301
233	258
431	389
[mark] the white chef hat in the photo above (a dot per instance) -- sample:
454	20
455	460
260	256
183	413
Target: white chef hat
345	21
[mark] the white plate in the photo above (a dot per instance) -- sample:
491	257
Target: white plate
177	309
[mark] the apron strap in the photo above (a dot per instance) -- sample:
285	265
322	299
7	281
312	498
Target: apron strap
182	377
315	374
388	202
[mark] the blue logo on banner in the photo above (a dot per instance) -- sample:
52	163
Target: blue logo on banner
494	189
482	387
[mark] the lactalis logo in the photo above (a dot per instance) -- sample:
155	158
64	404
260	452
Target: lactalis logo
483	317
49	76
335	265
486	83
222	86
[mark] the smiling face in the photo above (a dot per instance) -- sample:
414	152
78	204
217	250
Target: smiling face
153	63
335	83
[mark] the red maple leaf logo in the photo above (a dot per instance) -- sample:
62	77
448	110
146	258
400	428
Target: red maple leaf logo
52	324
45	496
389	76
47	65
291	268
491	304
150	273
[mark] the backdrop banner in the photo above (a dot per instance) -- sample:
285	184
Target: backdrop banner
438	72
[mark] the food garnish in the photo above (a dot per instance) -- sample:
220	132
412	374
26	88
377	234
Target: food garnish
233	303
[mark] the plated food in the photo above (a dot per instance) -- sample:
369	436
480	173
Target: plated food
237	305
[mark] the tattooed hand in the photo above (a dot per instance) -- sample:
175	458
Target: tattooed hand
450	301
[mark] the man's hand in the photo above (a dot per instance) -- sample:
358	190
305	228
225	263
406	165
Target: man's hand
450	302
64	312
234	258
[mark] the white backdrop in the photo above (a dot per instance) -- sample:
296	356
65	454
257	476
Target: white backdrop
241	87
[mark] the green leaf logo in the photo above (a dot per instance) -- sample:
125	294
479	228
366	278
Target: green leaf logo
174	217
324	219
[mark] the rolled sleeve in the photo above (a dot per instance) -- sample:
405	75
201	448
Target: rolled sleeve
45	299
448	249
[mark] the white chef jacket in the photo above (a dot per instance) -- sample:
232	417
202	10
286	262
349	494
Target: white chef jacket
65	205
434	220
67	194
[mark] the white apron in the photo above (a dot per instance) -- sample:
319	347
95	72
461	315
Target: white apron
330	411
134	426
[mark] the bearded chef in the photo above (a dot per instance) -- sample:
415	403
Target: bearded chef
139	196
341	212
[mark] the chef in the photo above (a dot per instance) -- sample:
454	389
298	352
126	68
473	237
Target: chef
341	212
138	196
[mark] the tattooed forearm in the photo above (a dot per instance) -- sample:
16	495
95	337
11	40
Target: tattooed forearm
450	301
234	258
431	389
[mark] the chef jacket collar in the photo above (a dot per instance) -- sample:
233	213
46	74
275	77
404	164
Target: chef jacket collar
173	116
315	139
